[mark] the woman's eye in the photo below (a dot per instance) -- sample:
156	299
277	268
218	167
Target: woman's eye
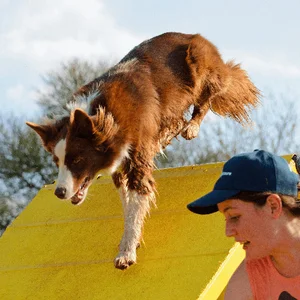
234	218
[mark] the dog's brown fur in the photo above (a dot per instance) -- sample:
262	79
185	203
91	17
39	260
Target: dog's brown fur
137	108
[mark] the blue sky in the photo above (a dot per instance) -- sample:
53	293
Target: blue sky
37	35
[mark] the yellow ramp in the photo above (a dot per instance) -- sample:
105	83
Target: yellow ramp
55	250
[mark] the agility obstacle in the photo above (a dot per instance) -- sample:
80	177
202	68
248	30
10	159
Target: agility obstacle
54	250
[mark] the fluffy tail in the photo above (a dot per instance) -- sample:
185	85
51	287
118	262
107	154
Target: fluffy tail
238	94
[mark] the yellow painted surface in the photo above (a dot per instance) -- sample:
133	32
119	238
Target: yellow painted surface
55	250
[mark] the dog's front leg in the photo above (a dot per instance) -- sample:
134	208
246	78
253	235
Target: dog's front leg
135	209
124	259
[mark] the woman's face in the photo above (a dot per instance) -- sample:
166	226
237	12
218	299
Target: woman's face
249	225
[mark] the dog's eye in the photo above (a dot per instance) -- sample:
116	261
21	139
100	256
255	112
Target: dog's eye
77	160
102	148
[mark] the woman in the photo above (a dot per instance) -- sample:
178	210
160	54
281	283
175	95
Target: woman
257	194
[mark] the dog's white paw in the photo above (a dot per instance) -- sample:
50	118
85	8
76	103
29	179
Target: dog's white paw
125	259
191	131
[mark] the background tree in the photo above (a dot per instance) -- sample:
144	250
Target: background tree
25	167
59	85
9	209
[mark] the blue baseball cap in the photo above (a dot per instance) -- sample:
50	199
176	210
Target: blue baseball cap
257	171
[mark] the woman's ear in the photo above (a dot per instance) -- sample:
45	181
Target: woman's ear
275	204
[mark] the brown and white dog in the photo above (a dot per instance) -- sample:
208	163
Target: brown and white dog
121	120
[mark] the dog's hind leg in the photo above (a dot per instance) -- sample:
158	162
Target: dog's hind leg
223	88
192	129
204	63
167	133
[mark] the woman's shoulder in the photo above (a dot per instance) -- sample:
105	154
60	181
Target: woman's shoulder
239	286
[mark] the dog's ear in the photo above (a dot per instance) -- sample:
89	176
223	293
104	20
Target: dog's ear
105	128
81	124
46	132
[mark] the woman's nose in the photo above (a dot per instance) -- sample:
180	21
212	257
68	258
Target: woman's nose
230	230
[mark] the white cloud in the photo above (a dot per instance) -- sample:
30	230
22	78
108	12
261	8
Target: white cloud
47	32
36	36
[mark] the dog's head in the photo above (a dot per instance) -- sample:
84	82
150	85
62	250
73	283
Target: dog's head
81	146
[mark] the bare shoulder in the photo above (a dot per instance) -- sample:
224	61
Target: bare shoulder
239	285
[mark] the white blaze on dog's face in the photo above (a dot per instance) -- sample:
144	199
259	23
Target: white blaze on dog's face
75	173
65	185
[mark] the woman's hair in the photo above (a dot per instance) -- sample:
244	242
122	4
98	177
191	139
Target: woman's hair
291	203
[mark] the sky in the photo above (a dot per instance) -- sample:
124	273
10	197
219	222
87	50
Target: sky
36	36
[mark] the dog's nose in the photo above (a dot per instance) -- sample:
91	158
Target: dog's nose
60	192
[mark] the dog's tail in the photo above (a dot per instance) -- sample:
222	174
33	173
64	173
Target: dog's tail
237	95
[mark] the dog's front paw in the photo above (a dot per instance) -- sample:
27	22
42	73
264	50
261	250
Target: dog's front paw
191	131
125	260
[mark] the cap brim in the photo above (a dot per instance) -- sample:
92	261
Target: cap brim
208	203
